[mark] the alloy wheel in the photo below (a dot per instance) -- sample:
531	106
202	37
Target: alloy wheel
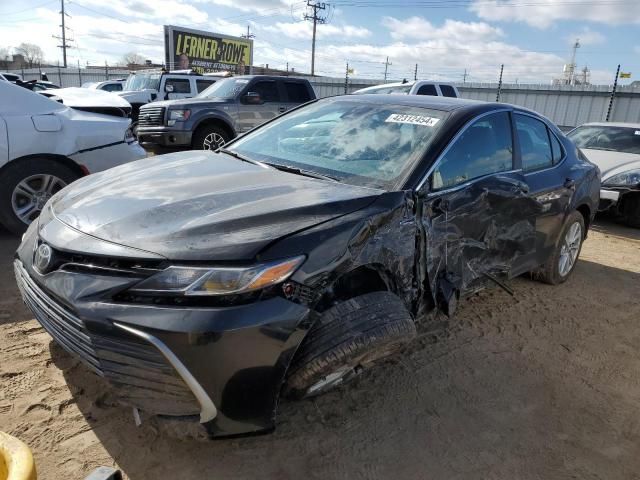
213	141
570	249
32	193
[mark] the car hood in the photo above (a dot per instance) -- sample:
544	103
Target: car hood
86	98
190	102
202	206
612	163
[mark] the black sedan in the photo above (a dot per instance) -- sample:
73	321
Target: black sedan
204	285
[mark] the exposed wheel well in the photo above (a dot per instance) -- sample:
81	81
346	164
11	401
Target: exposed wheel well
66	161
218	123
361	280
585	211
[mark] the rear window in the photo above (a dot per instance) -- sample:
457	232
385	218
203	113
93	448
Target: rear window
297	92
427	89
180	85
448	91
604	137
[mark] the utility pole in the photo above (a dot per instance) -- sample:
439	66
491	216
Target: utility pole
63	37
500	83
249	34
613	94
386	68
415	73
316	7
464	76
346	79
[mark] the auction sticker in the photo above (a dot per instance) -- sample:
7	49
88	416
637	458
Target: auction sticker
412	119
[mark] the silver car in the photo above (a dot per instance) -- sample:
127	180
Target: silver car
615	149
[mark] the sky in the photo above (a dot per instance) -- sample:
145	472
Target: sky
445	38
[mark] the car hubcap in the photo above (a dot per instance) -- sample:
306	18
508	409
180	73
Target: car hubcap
31	194
570	249
213	141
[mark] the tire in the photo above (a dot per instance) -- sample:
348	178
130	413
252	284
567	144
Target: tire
348	338
551	272
631	210
32	173
209	137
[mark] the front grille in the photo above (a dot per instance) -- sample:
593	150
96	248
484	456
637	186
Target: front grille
141	373
151	117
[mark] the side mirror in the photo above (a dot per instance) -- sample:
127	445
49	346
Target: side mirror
252	98
168	88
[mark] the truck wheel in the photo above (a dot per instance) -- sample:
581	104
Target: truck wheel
209	137
631	210
25	187
348	338
562	261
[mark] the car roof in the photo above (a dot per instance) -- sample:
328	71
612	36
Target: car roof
612	124
445	104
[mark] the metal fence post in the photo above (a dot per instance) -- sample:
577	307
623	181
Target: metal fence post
613	94
59	75
79	74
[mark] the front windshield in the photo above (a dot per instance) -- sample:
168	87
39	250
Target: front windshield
394	89
142	81
356	142
616	139
227	88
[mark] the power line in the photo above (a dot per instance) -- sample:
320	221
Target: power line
316	19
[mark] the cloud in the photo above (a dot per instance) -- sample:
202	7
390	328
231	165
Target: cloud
422	29
586	37
304	30
544	13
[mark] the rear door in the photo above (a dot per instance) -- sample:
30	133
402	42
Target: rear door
549	179
250	116
478	218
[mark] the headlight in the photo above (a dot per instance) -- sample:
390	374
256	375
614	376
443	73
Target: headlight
631	177
219	281
178	116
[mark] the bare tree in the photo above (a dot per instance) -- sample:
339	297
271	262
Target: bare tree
4	57
133	58
31	52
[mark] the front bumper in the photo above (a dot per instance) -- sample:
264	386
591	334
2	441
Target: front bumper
226	365
103	158
164	137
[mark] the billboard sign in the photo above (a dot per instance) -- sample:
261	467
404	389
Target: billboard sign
205	51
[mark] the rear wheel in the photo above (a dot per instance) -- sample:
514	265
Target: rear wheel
209	137
26	186
562	262
348	338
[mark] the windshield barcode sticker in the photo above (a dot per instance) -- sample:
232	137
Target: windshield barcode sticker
412	119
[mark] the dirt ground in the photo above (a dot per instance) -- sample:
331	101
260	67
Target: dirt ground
544	385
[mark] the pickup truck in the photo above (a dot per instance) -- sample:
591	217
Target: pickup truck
221	112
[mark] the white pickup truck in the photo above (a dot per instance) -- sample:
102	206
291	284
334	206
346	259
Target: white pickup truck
47	143
419	87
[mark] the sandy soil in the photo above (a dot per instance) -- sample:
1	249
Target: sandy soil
545	385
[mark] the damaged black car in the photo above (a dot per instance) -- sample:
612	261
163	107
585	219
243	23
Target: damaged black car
203	286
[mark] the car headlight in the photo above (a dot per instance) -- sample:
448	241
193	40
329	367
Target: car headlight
178	116
631	177
219	280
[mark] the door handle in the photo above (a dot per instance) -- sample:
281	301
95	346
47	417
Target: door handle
282	109
570	183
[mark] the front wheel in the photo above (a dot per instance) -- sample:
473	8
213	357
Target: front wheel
631	210
25	187
563	260
209	137
347	339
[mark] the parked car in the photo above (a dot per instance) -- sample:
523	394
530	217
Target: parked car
36	85
615	148
10	77
420	87
47	143
107	85
229	107
204	284
145	86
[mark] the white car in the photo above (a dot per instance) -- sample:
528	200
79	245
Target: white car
420	87
47	143
107	86
615	149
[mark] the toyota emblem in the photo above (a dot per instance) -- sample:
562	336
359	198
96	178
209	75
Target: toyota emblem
42	258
